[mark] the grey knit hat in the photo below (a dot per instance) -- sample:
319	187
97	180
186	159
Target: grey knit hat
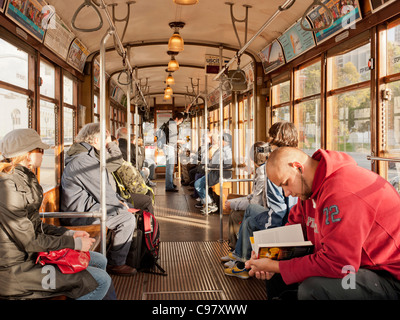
19	142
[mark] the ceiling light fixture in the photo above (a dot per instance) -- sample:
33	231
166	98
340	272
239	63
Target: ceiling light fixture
173	65
168	91
170	79
176	42
186	2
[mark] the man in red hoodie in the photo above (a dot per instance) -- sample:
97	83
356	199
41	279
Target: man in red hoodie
350	214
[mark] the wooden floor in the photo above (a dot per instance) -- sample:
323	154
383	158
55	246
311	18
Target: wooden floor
191	247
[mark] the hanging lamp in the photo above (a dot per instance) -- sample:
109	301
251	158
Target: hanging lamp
176	42
168	91
186	2
173	65
170	79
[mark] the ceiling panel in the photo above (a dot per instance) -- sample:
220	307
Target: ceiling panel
208	23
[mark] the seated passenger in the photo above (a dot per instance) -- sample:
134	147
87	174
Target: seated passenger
213	174
350	214
272	214
23	235
80	192
259	153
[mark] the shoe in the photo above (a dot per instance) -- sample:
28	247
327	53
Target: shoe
123	270
230	256
230	264
199	205
151	183
236	272
211	209
171	190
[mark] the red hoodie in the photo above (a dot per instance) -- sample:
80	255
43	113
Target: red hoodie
352	218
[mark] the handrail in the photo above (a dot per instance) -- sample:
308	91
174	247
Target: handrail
117	40
285	6
372	158
70	214
87	3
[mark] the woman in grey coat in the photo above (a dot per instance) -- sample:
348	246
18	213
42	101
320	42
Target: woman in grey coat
23	235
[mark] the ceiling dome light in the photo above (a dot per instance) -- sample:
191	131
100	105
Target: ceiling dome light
173	65
186	2
176	42
167	97
170	80
168	91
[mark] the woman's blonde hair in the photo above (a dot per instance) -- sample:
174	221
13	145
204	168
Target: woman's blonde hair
8	165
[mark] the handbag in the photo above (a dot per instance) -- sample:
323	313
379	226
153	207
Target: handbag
67	260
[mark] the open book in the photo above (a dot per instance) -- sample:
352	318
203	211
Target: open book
281	243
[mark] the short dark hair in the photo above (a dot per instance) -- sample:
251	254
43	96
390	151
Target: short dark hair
177	115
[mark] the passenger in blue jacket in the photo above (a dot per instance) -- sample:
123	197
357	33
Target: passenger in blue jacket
274	212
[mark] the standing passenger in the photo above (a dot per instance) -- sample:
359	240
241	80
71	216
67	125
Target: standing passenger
23	234
171	133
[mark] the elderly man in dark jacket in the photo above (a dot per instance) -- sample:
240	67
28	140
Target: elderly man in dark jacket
80	192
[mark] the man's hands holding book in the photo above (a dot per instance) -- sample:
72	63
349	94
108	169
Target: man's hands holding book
263	268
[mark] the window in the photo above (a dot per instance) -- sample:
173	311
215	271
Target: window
48	114
391	108
349	104
47	76
14	111
13	65
281	101
307	109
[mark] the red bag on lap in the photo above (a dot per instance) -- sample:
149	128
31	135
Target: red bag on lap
67	260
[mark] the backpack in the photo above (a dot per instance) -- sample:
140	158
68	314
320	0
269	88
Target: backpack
144	252
129	180
162	135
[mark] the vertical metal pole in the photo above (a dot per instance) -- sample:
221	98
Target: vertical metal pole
136	122
103	173
236	131
206	139
221	132
128	117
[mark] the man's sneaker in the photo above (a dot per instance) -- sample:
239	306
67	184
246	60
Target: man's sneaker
229	264
236	272
230	256
211	209
199	205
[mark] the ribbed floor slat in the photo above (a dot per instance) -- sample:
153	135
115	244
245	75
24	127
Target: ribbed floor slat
194	273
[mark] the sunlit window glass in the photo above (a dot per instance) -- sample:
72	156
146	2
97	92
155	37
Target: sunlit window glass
13	65
14	111
47	75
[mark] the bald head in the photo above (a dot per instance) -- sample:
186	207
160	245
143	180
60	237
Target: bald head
293	170
282	158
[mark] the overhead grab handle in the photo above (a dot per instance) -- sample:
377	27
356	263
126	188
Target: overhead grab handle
329	16
87	3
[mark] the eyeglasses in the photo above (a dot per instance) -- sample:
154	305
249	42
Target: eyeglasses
38	150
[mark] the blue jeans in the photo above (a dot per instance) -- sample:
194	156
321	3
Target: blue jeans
169	167
200	187
96	268
248	226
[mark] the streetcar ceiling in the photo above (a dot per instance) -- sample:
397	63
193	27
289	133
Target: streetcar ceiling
207	25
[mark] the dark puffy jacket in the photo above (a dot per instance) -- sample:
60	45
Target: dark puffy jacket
80	182
22	235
